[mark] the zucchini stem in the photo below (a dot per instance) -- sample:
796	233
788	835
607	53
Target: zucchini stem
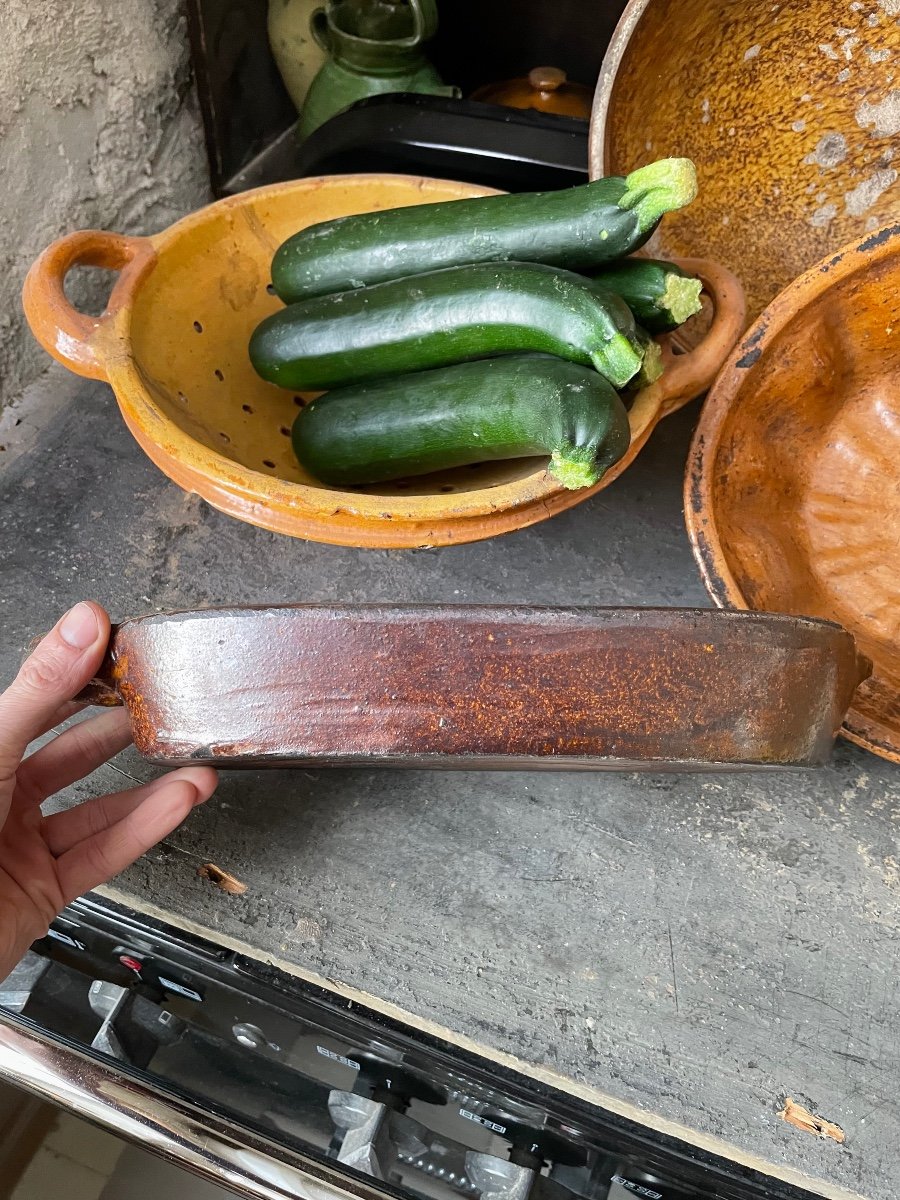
681	299
658	188
573	470
618	360
651	367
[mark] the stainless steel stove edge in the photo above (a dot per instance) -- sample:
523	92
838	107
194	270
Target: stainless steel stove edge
203	1142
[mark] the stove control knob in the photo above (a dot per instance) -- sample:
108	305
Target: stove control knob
16	989
497	1179
366	1144
250	1036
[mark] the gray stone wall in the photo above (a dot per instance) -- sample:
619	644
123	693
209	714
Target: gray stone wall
99	128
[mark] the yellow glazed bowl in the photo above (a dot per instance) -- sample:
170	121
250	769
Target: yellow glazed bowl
789	111
172	343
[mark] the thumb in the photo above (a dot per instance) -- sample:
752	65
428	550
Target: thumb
54	672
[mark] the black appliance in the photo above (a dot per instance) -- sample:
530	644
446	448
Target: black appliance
513	149
253	1077
248	116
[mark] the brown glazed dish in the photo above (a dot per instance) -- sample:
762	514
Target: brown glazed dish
792	493
546	89
481	687
790	112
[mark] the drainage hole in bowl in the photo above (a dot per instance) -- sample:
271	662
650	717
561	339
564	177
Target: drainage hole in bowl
267	462
270	288
247	408
299	401
198	327
218	374
182	397
448	487
285	431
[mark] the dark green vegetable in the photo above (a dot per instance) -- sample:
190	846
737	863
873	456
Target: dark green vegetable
660	295
474	412
446	317
576	228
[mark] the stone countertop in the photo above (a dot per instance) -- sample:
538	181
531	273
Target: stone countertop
685	949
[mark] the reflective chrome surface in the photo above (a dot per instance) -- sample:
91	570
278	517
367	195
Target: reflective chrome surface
202	1142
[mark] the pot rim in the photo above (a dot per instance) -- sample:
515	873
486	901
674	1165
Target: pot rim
612	60
723	398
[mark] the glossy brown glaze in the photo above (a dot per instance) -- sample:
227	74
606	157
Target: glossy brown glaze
792	494
484	687
545	88
790	111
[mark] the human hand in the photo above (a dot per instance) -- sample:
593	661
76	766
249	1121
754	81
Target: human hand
47	861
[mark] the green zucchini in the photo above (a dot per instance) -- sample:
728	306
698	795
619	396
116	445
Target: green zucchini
496	408
660	295
576	228
446	317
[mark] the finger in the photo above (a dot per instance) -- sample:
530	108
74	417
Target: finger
98	858
64	830
74	754
54	672
71	708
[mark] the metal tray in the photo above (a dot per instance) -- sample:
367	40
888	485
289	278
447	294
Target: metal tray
482	687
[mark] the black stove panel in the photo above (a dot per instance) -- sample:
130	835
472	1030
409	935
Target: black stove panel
317	1072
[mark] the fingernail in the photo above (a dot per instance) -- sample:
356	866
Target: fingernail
79	626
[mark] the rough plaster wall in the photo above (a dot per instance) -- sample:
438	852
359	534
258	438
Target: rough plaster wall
98	128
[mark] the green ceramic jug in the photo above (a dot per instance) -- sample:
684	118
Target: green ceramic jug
374	46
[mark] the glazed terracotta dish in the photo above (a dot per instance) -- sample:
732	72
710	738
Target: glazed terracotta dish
545	88
555	688
790	112
172	343
792	494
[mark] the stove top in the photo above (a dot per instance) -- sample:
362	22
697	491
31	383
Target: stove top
416	1118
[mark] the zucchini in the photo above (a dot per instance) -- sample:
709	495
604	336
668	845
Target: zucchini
446	317
576	228
660	295
496	408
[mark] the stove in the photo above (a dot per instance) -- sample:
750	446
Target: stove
252	1077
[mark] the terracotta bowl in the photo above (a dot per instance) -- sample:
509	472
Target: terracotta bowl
790	112
173	345
793	489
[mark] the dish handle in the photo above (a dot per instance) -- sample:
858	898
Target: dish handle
64	332
691	370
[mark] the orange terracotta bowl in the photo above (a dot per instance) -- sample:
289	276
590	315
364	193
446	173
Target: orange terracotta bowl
172	343
788	110
792	494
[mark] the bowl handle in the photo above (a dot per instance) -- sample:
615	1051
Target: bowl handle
688	372
60	328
